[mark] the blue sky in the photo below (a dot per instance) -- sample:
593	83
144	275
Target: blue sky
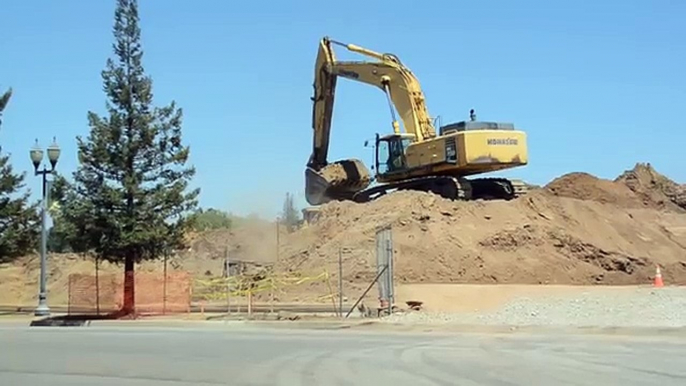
597	87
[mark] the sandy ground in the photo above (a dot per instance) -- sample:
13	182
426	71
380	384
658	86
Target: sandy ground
479	298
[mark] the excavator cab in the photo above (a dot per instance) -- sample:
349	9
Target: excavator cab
390	152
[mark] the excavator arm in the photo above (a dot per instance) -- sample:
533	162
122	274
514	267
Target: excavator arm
322	111
386	72
342	179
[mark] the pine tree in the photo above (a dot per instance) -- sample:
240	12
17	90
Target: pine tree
4	100
129	200
211	219
18	219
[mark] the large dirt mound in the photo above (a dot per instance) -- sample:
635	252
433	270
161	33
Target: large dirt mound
653	188
584	186
578	230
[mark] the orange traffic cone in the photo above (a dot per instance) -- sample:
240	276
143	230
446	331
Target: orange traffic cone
658	277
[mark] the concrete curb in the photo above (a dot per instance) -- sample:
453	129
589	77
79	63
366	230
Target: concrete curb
370	325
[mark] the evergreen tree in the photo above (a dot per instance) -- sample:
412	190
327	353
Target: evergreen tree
290	216
18	219
66	230
4	100
129	200
211	219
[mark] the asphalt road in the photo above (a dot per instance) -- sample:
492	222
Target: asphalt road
234	355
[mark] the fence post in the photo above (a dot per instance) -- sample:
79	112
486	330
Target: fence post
327	277
271	294
69	294
277	239
227	263
164	287
384	261
97	285
340	282
191	283
389	272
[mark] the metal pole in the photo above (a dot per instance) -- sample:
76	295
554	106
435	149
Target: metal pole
228	281
271	294
277	240
367	290
43	309
97	287
69	294
389	273
164	286
271	290
340	282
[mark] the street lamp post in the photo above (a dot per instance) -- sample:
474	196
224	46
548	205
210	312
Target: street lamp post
36	154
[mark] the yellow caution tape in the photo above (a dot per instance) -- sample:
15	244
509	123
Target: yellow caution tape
216	288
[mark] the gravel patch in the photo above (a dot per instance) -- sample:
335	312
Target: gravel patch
639	307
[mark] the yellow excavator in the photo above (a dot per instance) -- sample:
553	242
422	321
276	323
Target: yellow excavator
416	158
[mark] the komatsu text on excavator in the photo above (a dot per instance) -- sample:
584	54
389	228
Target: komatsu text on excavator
416	158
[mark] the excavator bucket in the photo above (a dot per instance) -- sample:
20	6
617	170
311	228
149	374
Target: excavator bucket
339	180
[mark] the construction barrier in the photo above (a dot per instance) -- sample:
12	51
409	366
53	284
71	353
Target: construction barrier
92	294
178	293
154	294
243	290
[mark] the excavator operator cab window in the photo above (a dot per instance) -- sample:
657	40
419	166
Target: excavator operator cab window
390	155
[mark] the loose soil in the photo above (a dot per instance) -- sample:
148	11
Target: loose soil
578	229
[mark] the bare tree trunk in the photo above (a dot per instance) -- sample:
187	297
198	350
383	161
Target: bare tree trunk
129	287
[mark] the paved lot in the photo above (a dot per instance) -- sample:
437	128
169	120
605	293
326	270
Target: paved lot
239	355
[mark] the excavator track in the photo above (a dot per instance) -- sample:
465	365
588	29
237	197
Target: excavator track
447	187
451	188
492	189
520	187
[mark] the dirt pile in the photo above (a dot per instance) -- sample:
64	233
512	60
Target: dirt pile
640	187
577	230
584	186
653	188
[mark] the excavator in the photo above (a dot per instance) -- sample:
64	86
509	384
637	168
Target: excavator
419	157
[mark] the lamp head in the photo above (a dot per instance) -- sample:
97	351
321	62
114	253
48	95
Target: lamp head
54	152
36	154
